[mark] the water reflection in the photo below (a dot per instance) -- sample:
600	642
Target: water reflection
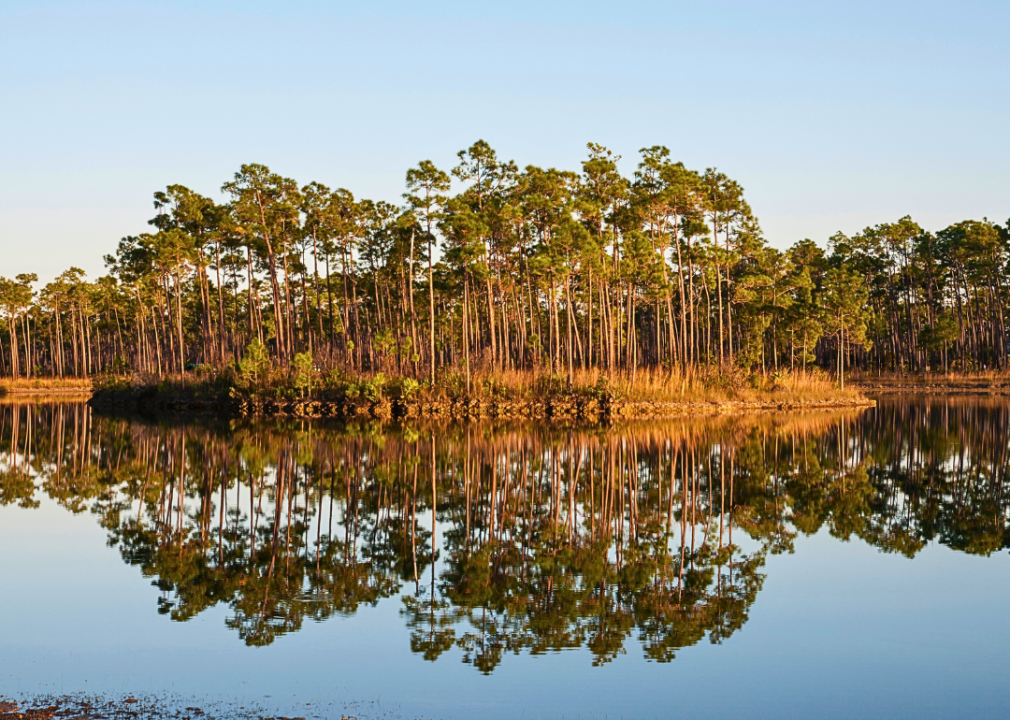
506	539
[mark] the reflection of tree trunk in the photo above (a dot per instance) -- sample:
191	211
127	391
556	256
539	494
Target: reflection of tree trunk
413	523
731	501
220	528
278	510
683	522
319	510
252	516
434	508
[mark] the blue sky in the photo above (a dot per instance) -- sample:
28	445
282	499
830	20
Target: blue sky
832	116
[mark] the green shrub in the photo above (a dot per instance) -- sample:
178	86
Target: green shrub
255	366
373	388
303	374
408	388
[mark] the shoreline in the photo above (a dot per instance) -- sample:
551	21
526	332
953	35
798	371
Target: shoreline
46	386
588	410
928	388
83	705
47	391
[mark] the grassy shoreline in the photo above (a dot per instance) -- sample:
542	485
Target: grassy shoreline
983	383
46	386
591	396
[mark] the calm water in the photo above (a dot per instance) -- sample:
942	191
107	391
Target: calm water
825	565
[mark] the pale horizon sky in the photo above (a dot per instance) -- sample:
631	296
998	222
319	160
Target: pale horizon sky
832	116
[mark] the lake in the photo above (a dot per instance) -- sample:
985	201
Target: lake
830	565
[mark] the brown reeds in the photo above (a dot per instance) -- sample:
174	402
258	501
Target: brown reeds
45	385
656	385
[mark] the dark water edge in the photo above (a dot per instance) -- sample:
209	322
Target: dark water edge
587	406
577	411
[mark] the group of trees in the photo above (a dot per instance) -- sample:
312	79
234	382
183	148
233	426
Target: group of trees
935	300
518	269
499	539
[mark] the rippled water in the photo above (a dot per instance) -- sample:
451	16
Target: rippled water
823	565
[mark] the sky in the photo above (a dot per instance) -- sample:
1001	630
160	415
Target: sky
833	116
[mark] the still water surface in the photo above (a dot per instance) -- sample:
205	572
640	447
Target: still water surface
823	565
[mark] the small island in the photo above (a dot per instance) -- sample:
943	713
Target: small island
536	293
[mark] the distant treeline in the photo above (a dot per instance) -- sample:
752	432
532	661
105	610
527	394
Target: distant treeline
535	269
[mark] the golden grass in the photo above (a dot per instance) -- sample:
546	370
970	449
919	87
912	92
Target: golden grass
45	385
986	378
704	385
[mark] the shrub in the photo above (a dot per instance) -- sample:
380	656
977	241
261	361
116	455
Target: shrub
408	388
373	389
303	373
254	367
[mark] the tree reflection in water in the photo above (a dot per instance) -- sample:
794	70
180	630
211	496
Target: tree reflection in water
546	538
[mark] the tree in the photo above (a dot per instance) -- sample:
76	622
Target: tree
846	313
425	196
15	299
666	270
265	205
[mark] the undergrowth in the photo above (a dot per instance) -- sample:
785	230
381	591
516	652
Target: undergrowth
44	384
257	378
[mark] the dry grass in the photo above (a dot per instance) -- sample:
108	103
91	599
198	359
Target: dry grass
706	385
984	379
45	385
